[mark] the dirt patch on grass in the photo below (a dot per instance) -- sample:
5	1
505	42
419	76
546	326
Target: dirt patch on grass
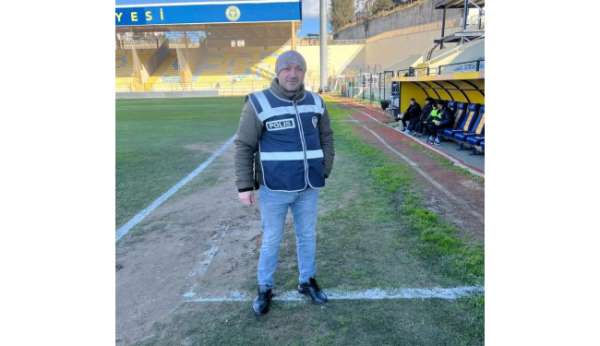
202	243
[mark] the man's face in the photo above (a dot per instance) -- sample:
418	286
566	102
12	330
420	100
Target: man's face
291	77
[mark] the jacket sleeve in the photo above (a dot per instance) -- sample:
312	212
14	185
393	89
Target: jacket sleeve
415	111
446	118
246	145
418	111
425	113
428	118
326	138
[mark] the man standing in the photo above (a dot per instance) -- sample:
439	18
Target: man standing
284	148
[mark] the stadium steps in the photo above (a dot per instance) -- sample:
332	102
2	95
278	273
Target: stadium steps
247	69
165	75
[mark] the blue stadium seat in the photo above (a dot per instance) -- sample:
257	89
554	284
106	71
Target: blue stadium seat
459	120
475	140
451	106
476	136
476	143
474	130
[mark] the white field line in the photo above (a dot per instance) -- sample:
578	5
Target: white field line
123	230
202	266
451	293
452	159
425	175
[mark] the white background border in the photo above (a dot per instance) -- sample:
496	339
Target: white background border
58	135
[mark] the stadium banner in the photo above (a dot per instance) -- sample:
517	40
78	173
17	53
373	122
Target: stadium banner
165	12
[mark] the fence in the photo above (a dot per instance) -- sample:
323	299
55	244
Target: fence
367	86
221	88
371	87
475	65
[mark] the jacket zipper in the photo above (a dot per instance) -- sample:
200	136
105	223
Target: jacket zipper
303	144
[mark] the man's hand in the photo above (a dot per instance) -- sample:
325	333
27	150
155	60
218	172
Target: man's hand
437	122
247	198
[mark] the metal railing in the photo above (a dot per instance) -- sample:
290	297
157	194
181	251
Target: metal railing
375	87
243	87
475	65
367	86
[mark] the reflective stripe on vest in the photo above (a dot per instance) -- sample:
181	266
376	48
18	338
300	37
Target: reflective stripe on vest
436	114
291	156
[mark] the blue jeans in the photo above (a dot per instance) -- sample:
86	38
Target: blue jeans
274	207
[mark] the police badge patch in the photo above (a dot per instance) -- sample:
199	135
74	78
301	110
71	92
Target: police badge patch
315	120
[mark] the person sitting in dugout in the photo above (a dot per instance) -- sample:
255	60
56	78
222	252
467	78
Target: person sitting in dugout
411	117
419	127
439	118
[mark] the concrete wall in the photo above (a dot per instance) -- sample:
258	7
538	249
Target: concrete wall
417	14
388	50
398	39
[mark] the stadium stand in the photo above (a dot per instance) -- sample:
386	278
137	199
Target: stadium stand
232	71
124	71
166	75
128	76
238	58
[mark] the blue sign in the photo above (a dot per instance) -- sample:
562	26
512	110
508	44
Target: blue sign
157	12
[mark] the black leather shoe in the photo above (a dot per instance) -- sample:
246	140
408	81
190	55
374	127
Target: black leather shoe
312	290
262	302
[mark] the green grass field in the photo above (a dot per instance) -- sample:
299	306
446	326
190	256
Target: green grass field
159	141
373	232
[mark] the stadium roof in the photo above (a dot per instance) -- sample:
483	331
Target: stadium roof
458	3
132	13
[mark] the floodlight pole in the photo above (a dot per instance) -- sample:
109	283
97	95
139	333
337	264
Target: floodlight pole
323	45
443	28
293	35
466	14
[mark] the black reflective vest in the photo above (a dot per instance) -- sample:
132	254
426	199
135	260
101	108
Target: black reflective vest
291	157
